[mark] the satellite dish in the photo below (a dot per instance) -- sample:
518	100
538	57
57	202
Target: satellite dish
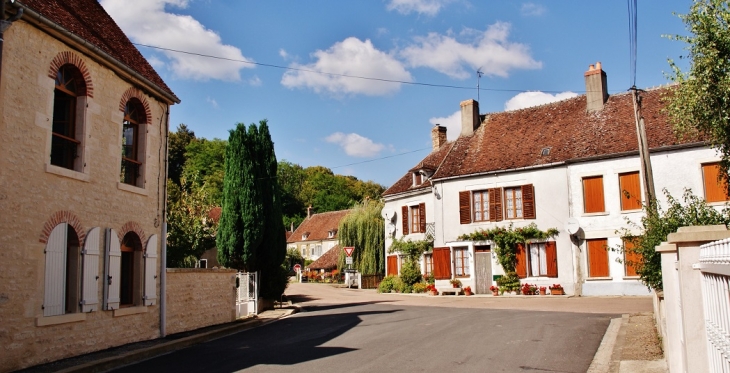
572	226
388	215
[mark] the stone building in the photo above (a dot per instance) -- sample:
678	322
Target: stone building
83	138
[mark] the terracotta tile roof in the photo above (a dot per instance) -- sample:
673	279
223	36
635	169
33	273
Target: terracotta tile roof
215	214
515	139
88	20
328	260
430	162
318	226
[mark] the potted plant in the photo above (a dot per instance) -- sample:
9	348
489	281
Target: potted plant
556	289
496	290
526	289
543	290
467	290
455	282
431	289
502	289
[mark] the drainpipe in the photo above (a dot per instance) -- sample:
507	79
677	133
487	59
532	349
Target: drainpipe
163	254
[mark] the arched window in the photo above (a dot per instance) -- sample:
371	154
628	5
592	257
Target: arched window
132	272
132	143
68	110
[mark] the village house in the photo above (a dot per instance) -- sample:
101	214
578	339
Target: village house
83	141
317	234
573	162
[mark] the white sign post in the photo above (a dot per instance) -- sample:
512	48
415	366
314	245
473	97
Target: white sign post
348	260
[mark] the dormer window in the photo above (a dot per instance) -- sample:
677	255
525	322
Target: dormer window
305	235
417	178
332	233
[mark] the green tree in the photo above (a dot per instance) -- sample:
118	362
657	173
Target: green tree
204	164
364	228
291	177
655	228
190	230
701	100
178	141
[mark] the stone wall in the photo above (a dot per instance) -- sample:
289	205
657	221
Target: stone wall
198	298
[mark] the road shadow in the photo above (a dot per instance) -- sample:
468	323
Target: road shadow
325	307
300	298
289	341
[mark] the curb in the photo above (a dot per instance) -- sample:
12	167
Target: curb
604	360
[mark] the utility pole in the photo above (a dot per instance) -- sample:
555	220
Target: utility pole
479	77
646	172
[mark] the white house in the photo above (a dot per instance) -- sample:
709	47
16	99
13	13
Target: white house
573	160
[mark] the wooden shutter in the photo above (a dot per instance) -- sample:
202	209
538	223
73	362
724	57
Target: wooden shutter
404	216
593	194
551	256
150	272
495	204
630	191
528	201
715	189
422	217
54	297
465	207
632	259
392	265
597	258
113	270
90	277
441	263
521	262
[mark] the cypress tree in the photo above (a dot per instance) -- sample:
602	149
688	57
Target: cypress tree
229	239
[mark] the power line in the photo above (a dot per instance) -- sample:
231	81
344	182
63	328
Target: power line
288	68
381	158
633	40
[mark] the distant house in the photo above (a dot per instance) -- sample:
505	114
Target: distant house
317	234
328	260
82	184
573	159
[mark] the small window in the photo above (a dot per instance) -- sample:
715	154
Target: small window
132	271
428	264
630	188
543	259
545	152
593	194
632	259
132	149
715	188
513	203
598	257
68	114
417	178
461	262
480	206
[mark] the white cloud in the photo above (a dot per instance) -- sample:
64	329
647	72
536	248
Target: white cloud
255	81
283	54
427	7
528	99
146	22
351	57
452	124
355	145
212	102
489	51
532	10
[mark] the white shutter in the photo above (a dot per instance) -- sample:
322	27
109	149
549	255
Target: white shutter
113	272
90	278
55	282
150	272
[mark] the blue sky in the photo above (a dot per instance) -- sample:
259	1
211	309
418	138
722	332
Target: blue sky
275	53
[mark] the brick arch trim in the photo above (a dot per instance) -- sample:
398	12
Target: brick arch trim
132	226
136	93
59	217
68	57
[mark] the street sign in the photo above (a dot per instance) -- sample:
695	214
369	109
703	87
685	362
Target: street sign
350	270
349	250
297	267
348	260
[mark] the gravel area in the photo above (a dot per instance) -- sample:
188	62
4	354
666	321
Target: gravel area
641	341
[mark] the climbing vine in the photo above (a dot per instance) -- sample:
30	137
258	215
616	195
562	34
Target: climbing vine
506	240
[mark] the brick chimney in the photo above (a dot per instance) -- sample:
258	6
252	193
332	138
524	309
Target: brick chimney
596	88
309	211
469	117
438	136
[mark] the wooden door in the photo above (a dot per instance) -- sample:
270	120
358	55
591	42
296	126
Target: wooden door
483	271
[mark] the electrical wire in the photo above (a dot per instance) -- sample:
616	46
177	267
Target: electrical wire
381	158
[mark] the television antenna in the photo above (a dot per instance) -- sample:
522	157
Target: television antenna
479	77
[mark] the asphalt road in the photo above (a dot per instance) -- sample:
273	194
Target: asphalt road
367	332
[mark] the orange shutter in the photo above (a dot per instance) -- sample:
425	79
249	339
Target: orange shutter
528	201
551	256
597	258
495	204
632	259
404	216
630	189
715	189
465	207
441	263
593	194
422	217
392	265
521	262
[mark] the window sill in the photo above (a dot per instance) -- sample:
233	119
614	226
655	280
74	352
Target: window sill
60	319
132	189
631	278
599	278
602	213
717	203
462	276
631	211
129	311
65	172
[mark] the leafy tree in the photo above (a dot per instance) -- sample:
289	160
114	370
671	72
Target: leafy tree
701	100
178	141
204	164
291	177
655	228
190	230
364	228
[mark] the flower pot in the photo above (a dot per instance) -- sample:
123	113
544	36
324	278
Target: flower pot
543	292
433	292
495	293
467	292
556	292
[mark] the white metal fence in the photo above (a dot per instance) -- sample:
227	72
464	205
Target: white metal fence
247	294
715	267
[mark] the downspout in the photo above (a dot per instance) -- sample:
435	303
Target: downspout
163	254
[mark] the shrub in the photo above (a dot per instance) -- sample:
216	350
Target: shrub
387	284
410	273
419	287
429	279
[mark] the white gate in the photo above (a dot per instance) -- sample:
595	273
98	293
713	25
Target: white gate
247	294
715	267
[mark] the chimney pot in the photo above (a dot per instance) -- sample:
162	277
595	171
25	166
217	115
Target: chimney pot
598	65
309	211
596	88
590	67
469	117
438	136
